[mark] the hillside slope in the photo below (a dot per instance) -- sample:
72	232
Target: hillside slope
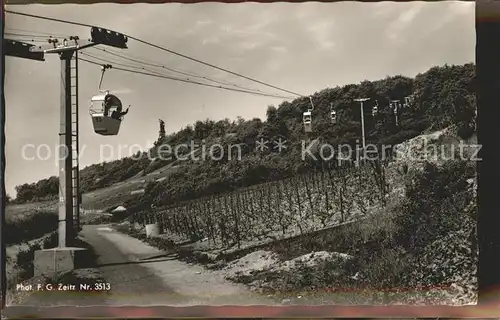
440	97
123	192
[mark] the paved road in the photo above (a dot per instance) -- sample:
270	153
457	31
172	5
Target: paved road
142	275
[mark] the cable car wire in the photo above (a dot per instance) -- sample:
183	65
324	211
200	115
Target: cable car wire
26	35
117	63
213	66
21	37
51	34
46	37
189	81
157	47
26	40
172	69
144	62
160	74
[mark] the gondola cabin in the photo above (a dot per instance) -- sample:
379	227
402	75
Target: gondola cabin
408	101
307	120
101	109
333	117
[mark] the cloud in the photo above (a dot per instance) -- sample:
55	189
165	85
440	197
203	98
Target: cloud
455	10
308	10
279	49
322	33
383	8
251	37
327	45
193	29
204	23
321	26
274	65
463	8
123	91
404	20
409	15
257	26
250	45
253	30
210	40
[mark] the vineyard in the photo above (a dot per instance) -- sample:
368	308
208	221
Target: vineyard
278	209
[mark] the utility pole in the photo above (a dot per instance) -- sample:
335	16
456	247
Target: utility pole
361	100
66	230
66	50
77	195
396	104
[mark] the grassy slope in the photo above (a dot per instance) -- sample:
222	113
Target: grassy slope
99	199
22	211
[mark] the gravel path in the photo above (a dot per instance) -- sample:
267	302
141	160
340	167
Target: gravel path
142	275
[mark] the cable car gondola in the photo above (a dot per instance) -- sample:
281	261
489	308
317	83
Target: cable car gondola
106	111
307	118
333	116
408	102
375	109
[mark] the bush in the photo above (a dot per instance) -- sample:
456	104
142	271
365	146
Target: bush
465	130
51	241
434	202
25	260
386	269
432	228
30	227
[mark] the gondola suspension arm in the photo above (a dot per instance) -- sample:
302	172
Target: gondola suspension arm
103	69
312	104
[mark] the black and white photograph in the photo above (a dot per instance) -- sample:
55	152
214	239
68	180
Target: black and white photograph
241	154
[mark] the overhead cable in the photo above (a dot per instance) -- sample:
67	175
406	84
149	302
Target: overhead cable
157	47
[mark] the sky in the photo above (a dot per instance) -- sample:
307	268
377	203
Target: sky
303	48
